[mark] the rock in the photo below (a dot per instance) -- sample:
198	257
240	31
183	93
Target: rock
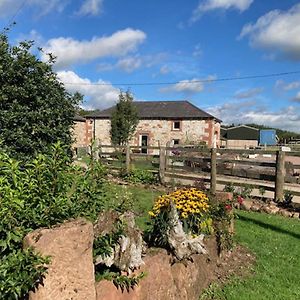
255	207
285	213
296	215
270	209
182	245
71	272
167	281
246	205
127	254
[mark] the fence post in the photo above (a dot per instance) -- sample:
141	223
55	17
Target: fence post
162	164
280	174
213	171
127	158
167	160
95	149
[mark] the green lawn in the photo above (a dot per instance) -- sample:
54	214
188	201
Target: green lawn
275	241
143	199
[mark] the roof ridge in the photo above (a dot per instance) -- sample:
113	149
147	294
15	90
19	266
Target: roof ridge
157	101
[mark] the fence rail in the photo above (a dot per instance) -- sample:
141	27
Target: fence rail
273	170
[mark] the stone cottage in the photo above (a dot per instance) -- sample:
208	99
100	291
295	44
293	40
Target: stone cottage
161	122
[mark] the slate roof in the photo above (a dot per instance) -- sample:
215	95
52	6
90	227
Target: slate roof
241	132
78	118
161	110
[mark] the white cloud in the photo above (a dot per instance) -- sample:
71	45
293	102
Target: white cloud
90	7
238	112
129	64
195	85
69	51
281	84
33	35
277	31
197	51
164	70
208	5
98	95
250	93
43	7
8	7
297	98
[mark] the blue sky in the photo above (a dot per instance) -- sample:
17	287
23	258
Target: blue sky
100	43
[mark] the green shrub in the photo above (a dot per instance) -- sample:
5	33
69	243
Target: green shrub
41	193
20	271
139	176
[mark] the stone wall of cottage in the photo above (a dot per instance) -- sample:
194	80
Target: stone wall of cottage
82	133
160	132
79	134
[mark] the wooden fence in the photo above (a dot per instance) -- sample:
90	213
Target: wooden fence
271	170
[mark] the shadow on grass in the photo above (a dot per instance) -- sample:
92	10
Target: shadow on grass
269	226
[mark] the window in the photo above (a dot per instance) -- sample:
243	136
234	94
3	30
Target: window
176	142
176	125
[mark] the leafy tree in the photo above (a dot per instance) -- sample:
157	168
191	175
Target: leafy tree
35	109
124	119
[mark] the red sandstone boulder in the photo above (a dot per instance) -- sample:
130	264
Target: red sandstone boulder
71	272
167	281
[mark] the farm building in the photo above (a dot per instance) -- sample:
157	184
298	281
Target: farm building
239	137
162	122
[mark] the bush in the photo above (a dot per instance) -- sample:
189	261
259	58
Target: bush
139	176
21	271
35	108
41	193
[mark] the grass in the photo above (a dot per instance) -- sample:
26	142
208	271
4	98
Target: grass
275	241
143	199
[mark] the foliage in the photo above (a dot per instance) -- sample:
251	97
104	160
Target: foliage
41	193
211	293
283	135
229	188
262	191
120	281
20	271
35	109
200	184
104	244
124	119
287	198
244	191
159	226
122	200
125	282
222	214
193	211
139	176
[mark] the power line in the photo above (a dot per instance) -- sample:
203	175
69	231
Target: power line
189	81
9	23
